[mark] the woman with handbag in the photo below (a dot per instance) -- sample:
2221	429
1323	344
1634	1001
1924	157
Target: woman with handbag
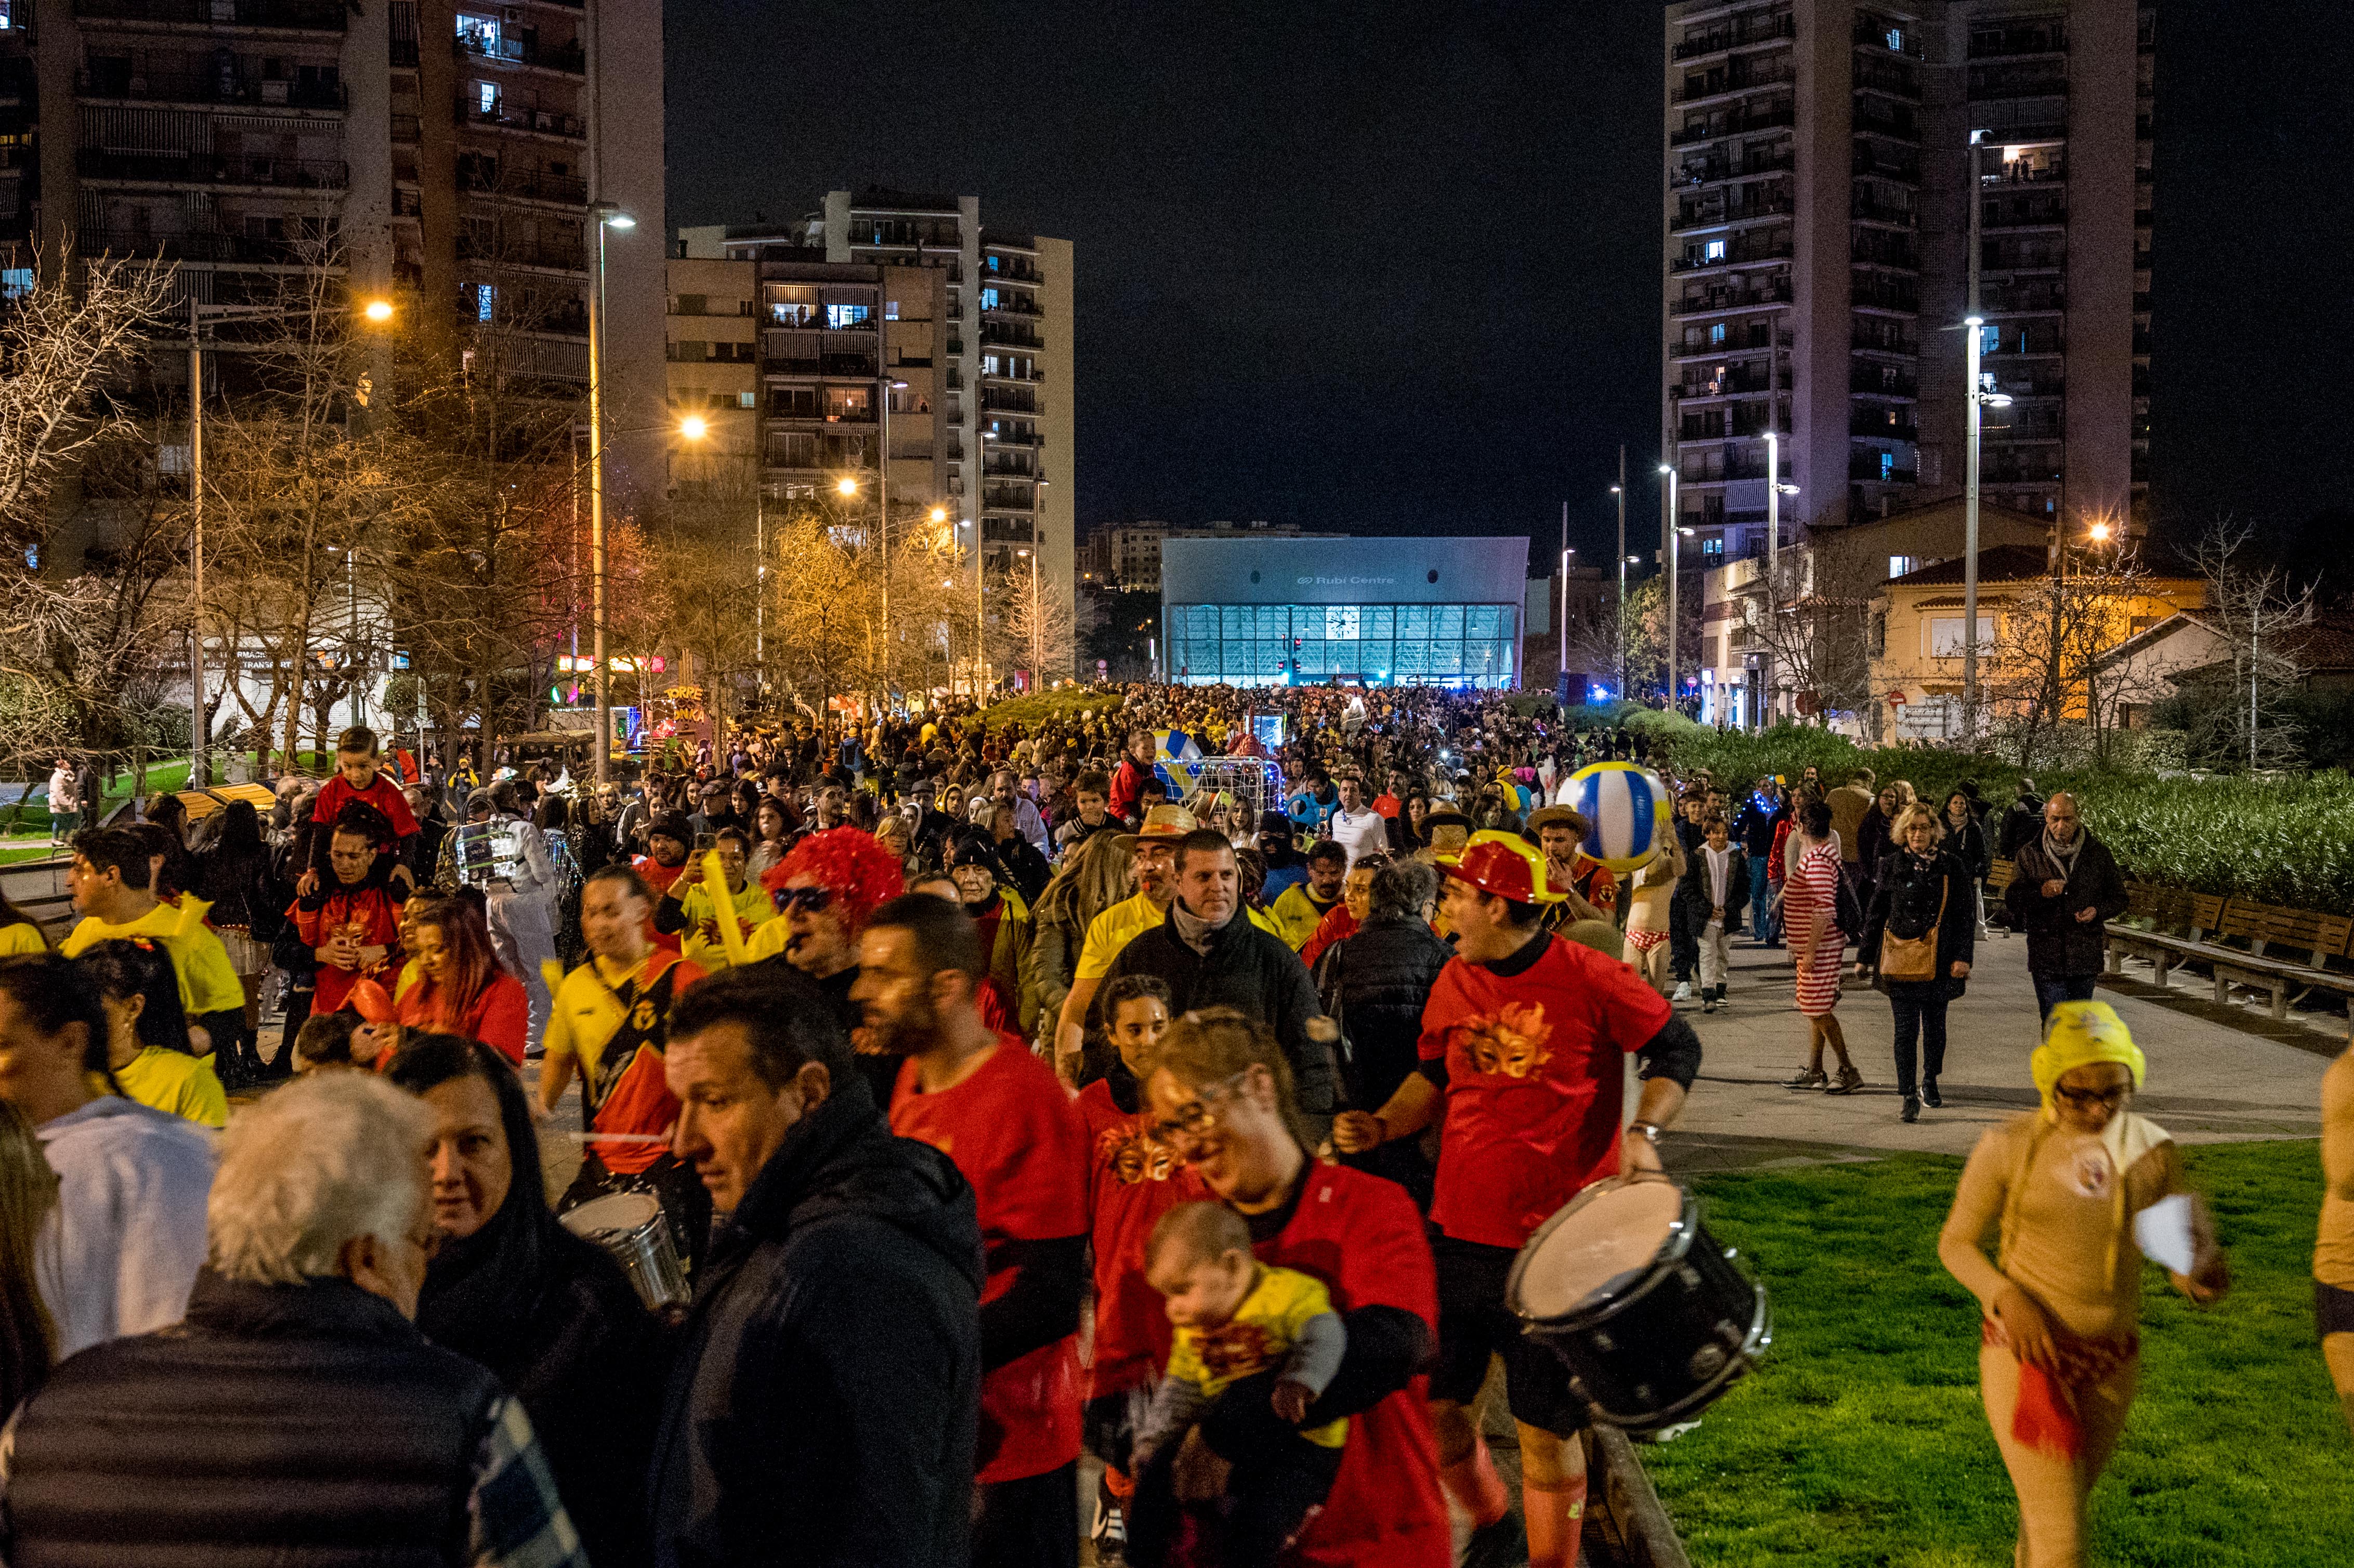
1918	941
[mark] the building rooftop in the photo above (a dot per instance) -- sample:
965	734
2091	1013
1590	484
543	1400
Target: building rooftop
2002	564
882	198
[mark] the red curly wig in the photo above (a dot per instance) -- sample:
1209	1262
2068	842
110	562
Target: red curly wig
862	874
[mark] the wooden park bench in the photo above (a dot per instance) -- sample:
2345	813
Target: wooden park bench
2287	950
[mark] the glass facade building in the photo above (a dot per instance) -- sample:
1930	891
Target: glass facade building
1271	612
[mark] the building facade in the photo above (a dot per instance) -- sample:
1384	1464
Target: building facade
446	154
1131	551
1817	248
985	425
1256	610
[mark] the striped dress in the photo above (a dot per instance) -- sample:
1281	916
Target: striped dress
1810	904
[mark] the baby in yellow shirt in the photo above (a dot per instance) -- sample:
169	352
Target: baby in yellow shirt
1239	1323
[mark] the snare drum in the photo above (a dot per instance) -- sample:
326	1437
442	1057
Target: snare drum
1627	1286
630	1226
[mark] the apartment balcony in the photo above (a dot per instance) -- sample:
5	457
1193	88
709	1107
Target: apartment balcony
1776	294
1724	351
1735	125
289	16
570	58
1901	41
523	250
1734	383
402	54
1009	439
1011	305
499	116
1876	162
1713	171
1876	120
205	245
1863	342
1735	255
998	498
407	130
524	184
1012	337
1879	429
1887	77
1746	212
1867	467
1868	381
2020	40
1783	26
1869	292
213	171
1881	212
157	86
1724	84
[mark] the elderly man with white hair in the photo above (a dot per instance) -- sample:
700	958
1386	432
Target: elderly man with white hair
297	1416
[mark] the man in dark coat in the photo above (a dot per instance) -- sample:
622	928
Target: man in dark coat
1210	955
824	1405
2067	888
2022	821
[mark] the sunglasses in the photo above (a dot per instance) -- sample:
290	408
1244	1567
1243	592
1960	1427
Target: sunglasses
812	899
1198	1115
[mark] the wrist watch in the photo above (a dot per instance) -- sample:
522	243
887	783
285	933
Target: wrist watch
1650	1130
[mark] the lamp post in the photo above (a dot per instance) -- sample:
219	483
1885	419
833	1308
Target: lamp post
376	312
1674	524
608	215
1619	490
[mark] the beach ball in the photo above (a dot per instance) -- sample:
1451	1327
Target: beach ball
1628	807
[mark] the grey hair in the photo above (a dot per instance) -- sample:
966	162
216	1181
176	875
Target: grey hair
328	1157
1401	889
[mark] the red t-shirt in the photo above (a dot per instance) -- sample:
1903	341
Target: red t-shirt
1534	1083
500	1018
1338	925
1362	1237
1133	1178
659	877
371	918
1010	1128
384	795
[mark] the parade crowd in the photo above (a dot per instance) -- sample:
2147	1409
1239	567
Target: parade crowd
1000	1093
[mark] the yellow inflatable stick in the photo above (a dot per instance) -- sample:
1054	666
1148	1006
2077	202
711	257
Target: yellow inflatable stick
731	930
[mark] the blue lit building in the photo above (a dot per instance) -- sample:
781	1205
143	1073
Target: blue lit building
1270	612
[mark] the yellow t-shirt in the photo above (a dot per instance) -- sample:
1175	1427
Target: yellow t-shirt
208	982
175	1082
586	1013
753	907
23	937
1258	1337
409	975
1296	917
1125	921
767	941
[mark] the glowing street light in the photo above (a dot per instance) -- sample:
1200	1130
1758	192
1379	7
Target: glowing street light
693	428
377	311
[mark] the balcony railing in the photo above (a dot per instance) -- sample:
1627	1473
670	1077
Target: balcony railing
1783	26
206	245
570	58
1732	299
1881	212
531	185
1011	304
1905	41
1715	85
1735	125
1866	466
1747	379
1880	429
1885	297
153	86
1870	383
1742	213
403	53
523	251
213	169
1904	127
2044	38
407	130
1735	256
547	123
306	16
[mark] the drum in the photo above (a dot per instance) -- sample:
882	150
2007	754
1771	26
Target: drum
630	1226
1652	1319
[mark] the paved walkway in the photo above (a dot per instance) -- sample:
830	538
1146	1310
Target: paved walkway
2216	1075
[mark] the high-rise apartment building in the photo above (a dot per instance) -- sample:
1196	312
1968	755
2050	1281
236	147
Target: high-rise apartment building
446	152
976	322
1817	250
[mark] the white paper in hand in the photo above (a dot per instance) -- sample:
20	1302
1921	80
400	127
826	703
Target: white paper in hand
2162	1231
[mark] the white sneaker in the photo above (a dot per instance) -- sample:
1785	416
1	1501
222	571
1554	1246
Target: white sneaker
1683	990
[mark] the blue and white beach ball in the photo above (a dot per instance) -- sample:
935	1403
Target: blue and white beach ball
1628	807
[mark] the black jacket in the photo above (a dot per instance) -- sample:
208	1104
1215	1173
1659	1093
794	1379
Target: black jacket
246	1432
1375	981
2057	944
2021	823
556	1319
1967	843
1244	968
1698	903
824	1406
1754	826
1908	896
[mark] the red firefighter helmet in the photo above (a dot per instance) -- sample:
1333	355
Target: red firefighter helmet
1507	865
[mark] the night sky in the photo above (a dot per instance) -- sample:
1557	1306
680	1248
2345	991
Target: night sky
1396	269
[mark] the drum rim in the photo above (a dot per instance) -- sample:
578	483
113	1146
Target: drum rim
1751	1350
1680	1241
589	1229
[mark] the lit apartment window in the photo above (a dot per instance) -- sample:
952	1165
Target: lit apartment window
485	302
988	296
1887	466
1716	335
847	315
890	310
1896	40
1712	251
16	282
748	400
486	96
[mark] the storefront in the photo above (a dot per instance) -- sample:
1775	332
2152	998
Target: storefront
1377	611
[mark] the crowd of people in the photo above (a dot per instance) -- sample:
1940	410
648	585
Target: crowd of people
1005	1093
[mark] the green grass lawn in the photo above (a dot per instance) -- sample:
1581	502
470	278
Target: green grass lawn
1861	1440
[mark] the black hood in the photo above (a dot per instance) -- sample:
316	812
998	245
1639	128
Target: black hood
842	1160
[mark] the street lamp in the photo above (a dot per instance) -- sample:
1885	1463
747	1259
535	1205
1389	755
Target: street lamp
1675	524
608	215
1565	554
1619	490
199	740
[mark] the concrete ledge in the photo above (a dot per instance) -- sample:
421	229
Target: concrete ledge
1626	1527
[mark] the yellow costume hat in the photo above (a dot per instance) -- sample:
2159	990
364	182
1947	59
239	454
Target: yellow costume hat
2080	1034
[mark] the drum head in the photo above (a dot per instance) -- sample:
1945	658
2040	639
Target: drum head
615	1213
1602	1243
